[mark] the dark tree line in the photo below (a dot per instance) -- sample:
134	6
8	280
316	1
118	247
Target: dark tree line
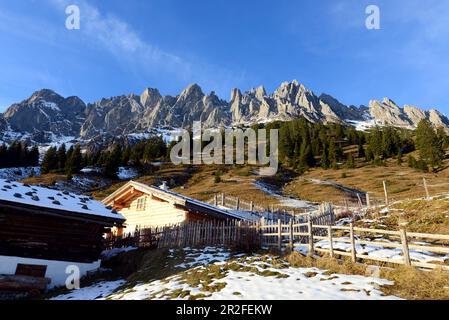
18	154
60	160
303	145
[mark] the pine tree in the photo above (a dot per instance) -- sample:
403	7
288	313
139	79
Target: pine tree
34	156
360	150
350	161
50	161
306	158
333	154
61	155
375	143
74	161
412	163
126	156
324	159
400	157
113	162
428	144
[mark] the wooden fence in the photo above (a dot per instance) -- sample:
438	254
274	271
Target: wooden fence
267	213
250	236
307	235
236	234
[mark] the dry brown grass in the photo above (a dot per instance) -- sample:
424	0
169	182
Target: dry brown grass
413	284
46	179
235	181
332	265
403	182
425	216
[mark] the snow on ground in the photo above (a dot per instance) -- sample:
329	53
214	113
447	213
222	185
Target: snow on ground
108	254
57	141
237	277
167	134
363	125
124	173
195	257
283	200
81	183
381	252
299	284
19	173
127	173
97	291
90	170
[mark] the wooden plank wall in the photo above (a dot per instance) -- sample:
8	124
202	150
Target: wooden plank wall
155	213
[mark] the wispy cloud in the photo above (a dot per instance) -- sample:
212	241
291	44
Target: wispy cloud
116	36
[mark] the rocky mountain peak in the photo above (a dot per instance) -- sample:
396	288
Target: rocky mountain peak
44	94
192	91
46	114
150	97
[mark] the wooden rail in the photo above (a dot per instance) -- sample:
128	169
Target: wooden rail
286	236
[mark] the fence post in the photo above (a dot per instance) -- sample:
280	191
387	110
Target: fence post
279	235
331	243
353	249
360	200
223	199
223	237
291	235
215	200
405	249
425	188
386	193
237	205
368	203
251	206
311	245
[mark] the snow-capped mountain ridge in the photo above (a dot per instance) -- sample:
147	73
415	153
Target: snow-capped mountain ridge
46	114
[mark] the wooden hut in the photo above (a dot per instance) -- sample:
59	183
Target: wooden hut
43	231
149	206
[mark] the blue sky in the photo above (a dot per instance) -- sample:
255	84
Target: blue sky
124	47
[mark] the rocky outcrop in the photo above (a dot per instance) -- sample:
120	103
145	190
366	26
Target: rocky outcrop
46	112
114	116
3	124
389	113
132	114
289	101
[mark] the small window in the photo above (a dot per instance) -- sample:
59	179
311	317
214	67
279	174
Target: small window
31	270
141	204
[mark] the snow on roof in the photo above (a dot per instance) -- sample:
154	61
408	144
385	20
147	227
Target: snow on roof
54	199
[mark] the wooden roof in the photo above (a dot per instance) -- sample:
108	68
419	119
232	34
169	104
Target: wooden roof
46	201
134	189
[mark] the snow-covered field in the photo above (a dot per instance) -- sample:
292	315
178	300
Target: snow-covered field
127	173
19	173
377	251
214	273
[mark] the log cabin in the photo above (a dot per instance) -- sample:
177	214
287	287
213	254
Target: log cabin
43	231
150	206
